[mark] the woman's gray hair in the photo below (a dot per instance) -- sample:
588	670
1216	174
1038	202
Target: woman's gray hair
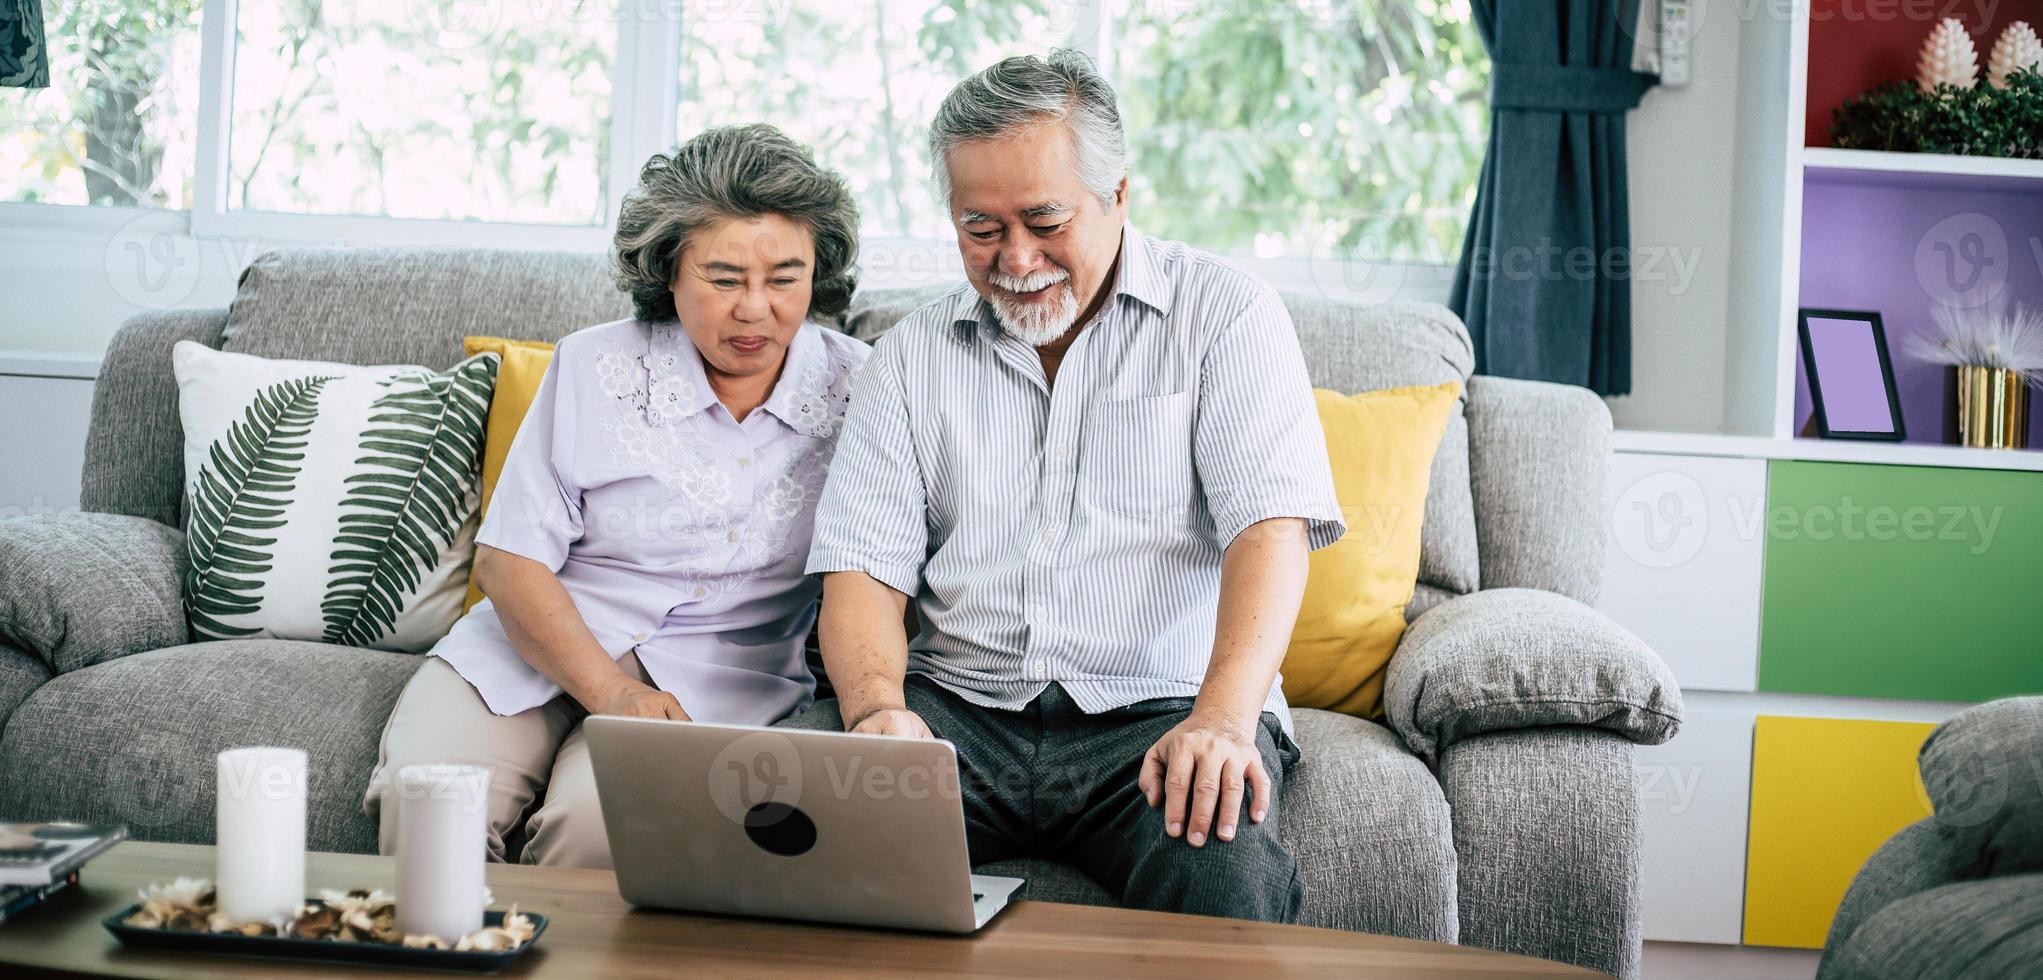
726	173
1026	91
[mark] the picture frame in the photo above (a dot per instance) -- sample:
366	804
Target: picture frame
1850	374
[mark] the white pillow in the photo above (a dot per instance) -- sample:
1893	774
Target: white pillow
329	502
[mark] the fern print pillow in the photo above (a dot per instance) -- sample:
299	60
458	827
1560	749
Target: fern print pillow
329	502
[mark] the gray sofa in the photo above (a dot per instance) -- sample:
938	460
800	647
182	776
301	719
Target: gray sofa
1960	892
1494	807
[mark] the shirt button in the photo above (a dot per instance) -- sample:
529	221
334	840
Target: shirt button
744	461
733	536
638	637
1049	535
700	592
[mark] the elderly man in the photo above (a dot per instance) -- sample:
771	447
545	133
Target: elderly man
1097	471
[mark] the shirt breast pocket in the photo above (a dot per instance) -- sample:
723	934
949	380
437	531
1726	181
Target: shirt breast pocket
1137	456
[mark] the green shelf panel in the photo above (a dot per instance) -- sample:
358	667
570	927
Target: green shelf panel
1911	582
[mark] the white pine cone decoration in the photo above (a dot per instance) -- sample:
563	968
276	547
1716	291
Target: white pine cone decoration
2018	48
1948	58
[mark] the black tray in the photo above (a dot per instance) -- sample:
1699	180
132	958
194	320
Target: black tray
292	948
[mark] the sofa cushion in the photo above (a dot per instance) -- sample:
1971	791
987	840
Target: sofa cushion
413	305
1505	659
524	364
76	589
1381	445
132	740
1370	827
329	501
1357	348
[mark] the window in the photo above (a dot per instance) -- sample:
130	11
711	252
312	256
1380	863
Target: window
368	108
1352	128
116	124
858	82
1270	129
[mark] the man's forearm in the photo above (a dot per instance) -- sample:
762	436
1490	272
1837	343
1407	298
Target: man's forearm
1262	583
865	645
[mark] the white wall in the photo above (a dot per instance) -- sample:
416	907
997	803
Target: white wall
1681	143
71	275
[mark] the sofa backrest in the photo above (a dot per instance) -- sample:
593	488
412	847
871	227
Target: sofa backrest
413	306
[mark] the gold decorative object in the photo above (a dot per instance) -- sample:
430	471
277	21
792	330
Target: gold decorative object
1995	355
1993	408
361	915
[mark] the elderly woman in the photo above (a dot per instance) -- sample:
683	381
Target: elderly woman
644	550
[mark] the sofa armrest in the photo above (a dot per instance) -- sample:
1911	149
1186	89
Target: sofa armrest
1911	862
20	674
1503	659
134	453
79	589
1547	845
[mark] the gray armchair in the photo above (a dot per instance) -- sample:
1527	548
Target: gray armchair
1494	805
1959	893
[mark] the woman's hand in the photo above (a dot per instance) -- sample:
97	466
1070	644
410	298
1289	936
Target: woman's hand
632	699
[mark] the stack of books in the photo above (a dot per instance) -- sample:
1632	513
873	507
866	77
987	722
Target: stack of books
38	860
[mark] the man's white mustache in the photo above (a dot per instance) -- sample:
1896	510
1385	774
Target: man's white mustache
1029	283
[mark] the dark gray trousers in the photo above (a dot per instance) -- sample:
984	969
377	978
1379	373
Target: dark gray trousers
1051	781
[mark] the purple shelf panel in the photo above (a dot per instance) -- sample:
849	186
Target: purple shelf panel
1899	244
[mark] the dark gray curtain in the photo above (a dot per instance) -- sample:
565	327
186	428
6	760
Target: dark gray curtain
1544	281
24	61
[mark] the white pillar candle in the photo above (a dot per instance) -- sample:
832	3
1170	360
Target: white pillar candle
260	835
442	821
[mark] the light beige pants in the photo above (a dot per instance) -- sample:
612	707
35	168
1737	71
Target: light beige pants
441	719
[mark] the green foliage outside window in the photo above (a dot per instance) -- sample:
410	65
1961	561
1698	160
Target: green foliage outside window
1283	127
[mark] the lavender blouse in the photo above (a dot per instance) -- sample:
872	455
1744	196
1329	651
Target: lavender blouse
678	530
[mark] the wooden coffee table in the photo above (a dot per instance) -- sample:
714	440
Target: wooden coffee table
593	933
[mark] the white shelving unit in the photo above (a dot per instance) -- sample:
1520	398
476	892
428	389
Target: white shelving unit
1880	161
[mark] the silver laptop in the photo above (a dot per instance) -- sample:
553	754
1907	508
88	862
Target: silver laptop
825	826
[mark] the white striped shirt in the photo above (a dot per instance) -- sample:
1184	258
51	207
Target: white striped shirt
1074	533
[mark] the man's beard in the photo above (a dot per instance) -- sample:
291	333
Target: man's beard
1035	323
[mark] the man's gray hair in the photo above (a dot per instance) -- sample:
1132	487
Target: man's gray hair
1027	91
732	173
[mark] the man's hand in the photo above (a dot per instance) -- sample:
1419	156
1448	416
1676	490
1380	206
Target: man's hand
632	699
892	721
1197	772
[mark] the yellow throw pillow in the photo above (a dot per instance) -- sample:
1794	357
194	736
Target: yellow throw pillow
524	363
1381	445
